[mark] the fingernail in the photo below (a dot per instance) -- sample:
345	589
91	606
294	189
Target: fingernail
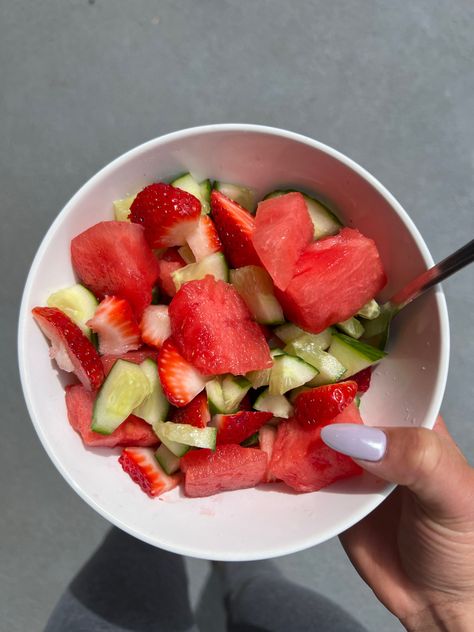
360	442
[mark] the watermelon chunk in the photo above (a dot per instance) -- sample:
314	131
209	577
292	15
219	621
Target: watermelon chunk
113	258
131	432
303	461
229	467
283	229
333	279
169	263
213	329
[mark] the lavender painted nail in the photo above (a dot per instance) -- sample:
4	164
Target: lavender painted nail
360	442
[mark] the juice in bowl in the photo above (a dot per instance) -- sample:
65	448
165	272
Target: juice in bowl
254	363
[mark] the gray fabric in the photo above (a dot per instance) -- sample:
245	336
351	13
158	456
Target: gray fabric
129	586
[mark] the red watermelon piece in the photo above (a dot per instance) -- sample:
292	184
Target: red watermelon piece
303	461
113	258
333	279
137	357
229	467
169	263
132	432
283	229
214	331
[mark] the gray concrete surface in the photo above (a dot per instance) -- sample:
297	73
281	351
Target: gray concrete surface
388	83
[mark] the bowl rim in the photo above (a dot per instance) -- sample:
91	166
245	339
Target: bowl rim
440	385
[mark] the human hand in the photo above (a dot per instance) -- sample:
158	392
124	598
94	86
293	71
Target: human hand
416	550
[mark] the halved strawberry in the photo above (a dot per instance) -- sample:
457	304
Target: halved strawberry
155	325
168	214
71	349
235	227
239	426
115	323
144	469
168	263
181	382
196	413
204	240
319	405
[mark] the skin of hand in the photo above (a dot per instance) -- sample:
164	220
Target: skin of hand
416	550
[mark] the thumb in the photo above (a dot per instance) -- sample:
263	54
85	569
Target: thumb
425	461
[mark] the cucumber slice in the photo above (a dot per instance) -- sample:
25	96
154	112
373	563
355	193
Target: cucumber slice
377	330
370	310
243	196
307	345
255	286
214	264
202	191
168	461
124	389
352	327
330	369
259	378
276	352
78	303
122	208
215	396
252	440
325	223
353	354
234	389
278	405
155	407
187	435
289	372
186	253
176	448
288	332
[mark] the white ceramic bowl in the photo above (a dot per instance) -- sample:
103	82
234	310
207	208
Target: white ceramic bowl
407	387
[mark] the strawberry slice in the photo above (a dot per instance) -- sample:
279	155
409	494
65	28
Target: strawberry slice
167	264
238	427
115	323
204	240
363	379
181	382
133	431
321	404
71	349
168	214
196	413
142	467
155	325
235	227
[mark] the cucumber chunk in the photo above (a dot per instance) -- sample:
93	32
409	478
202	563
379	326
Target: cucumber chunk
325	223
125	388
234	389
215	396
122	208
176	448
306	344
288	332
352	327
214	264
377	330
168	461
276	352
289	372
329	367
187	435
370	310
155	407
255	286
278	405
353	354
243	196
259	378
78	303
202	190
309	348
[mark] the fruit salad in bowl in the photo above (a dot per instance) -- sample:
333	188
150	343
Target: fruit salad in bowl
210	327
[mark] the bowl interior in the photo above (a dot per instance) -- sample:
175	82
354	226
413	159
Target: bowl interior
407	386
